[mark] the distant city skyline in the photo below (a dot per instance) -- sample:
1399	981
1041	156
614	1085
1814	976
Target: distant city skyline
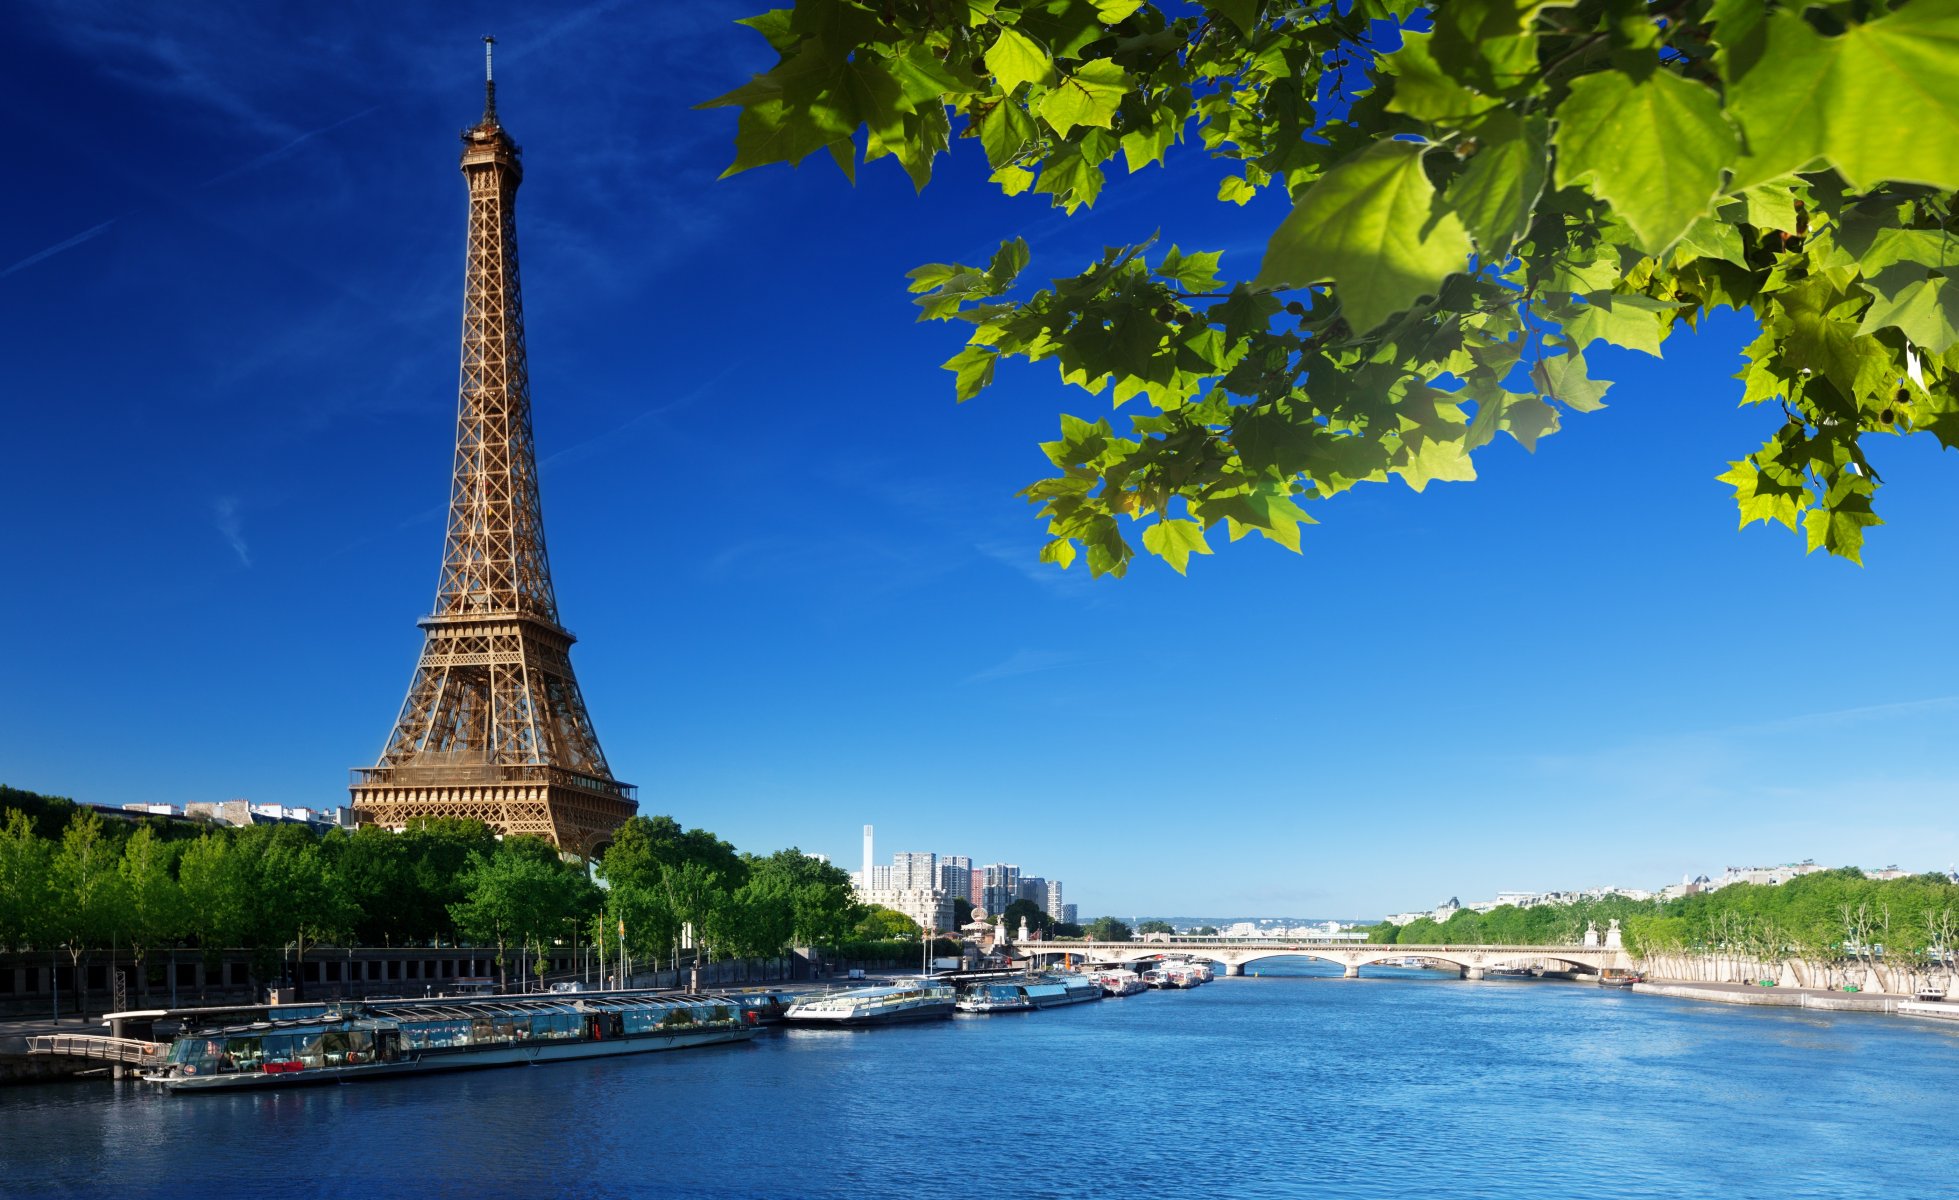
805	592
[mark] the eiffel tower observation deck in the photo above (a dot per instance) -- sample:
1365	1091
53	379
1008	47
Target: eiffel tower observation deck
494	727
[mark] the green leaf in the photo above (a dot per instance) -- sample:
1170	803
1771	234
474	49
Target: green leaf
1879	101
1711	237
1174	541
1770	205
1241	13
1014	59
1923	311
1090	96
973	368
1192	272
1370	227
1489	43
1236	190
1653	149
1005	131
1495	194
1564	379
1766	496
1114	12
1060	551
1840	530
1635	322
1422	90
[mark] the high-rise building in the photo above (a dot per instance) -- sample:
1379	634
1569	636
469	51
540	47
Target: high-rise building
956	875
494	726
1053	906
1034	890
880	879
864	879
1067	915
1002	887
915	871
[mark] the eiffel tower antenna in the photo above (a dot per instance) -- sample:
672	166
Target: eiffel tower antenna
489	80
494	727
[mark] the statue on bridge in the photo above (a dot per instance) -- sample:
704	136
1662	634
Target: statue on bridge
1591	935
1613	939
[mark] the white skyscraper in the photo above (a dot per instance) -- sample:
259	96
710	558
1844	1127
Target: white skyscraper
864	880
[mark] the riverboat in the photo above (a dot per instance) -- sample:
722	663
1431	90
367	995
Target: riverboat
364	1042
889	1005
1121	983
1054	991
1615	977
993	998
1509	973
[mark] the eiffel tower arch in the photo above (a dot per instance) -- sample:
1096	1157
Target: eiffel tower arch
494	726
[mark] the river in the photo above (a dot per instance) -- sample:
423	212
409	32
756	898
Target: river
1290	1084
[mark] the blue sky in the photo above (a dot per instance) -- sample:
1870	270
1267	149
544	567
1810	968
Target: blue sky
230	262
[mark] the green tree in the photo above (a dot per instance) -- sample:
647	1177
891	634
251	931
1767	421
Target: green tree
24	884
881	924
1153	926
962	911
524	896
1470	208
1108	929
87	904
1030	912
155	913
219	898
1205	931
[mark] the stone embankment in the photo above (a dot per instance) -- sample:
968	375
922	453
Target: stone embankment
1776	997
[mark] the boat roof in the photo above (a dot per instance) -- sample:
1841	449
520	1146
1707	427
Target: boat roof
375	1014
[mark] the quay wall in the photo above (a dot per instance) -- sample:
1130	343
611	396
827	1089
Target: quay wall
1776	997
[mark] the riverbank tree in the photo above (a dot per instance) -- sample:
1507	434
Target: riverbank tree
1840	917
77	884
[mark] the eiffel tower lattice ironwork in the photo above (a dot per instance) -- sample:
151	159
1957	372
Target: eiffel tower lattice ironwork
494	726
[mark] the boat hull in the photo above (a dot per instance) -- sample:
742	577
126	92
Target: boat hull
933	1011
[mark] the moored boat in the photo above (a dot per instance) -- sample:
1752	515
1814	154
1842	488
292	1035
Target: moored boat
444	1035
1616	977
1053	991
993	998
1121	983
874	1005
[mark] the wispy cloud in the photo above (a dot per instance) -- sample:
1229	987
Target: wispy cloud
58	247
585	446
272	156
1846	716
1024	662
225	511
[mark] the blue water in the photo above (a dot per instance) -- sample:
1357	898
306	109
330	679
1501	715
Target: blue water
1292	1084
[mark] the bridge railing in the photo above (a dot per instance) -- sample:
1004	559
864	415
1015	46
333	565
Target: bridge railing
126	1051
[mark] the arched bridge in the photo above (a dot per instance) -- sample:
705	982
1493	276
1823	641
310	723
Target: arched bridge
1234	953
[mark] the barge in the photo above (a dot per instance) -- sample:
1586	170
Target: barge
875	1005
342	1046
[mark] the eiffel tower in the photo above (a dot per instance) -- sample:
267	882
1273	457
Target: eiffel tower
494	726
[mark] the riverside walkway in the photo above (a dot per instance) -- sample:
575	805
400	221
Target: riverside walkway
1235	953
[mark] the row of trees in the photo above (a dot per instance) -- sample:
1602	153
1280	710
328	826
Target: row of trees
75	884
1828	916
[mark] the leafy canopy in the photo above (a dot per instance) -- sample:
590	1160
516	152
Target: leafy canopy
1481	190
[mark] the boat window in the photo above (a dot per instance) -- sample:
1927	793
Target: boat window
360	1046
333	1048
206	1056
248	1053
281	1048
310	1053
